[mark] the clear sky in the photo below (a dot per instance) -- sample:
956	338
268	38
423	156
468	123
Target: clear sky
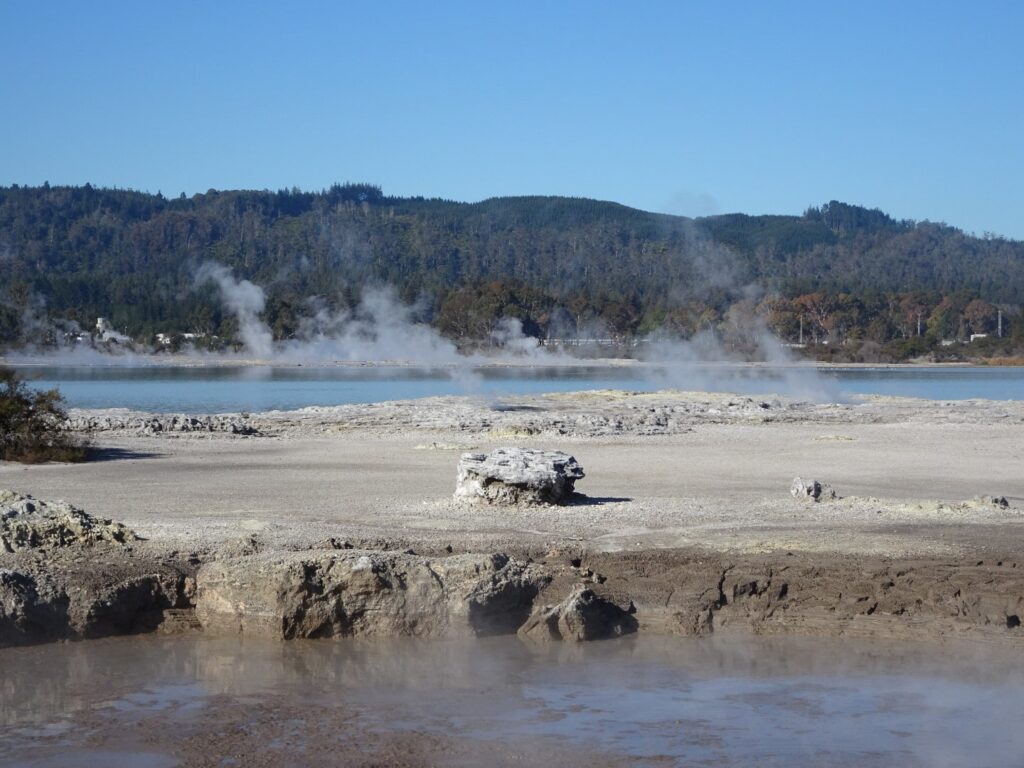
683	107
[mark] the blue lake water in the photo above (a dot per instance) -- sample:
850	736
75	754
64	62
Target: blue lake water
230	389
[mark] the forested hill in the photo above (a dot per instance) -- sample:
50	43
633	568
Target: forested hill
81	252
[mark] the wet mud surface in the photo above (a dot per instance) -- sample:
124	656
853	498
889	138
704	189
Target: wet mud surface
153	702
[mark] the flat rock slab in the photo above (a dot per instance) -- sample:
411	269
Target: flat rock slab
518	476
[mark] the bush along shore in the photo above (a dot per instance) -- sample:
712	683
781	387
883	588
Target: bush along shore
33	425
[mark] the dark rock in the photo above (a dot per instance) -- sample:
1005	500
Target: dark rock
811	490
584	615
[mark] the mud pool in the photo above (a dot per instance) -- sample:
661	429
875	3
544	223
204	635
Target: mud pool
161	701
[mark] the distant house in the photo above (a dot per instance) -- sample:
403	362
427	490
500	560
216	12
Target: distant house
166	339
107	333
978	336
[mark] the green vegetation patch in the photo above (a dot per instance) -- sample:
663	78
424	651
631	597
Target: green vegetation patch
33	424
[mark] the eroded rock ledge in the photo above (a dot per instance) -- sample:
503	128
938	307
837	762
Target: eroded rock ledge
366	593
160	424
65	574
597	414
68	575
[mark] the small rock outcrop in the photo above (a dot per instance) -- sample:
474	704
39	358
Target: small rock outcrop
812	490
365	593
65	574
999	502
28	523
517	476
582	616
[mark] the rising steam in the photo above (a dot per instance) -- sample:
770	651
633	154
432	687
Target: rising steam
380	329
383	329
246	301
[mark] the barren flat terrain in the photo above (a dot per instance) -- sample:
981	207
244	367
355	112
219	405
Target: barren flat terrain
663	470
684	522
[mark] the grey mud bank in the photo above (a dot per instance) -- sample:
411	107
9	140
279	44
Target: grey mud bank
341	522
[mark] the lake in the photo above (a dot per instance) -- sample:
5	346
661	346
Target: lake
222	389
159	701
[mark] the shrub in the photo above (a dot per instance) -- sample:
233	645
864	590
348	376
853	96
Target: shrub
33	424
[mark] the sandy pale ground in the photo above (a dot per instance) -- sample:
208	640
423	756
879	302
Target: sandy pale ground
718	477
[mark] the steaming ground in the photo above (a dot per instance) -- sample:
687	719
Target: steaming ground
382	328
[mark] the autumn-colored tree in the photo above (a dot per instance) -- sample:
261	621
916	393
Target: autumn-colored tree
816	308
980	316
844	319
782	317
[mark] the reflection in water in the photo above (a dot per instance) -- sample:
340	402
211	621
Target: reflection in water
785	701
231	389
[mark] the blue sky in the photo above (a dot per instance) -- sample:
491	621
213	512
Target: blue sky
691	108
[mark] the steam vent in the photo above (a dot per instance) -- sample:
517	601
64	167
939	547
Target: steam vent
518	476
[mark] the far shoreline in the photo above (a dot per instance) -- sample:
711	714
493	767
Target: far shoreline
128	360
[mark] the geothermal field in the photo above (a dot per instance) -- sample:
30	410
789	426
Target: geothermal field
687	534
583	385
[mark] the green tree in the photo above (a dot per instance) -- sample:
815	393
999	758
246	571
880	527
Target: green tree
32	424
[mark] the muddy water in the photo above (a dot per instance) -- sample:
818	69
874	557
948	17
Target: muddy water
154	702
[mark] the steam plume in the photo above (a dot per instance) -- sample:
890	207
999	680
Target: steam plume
246	301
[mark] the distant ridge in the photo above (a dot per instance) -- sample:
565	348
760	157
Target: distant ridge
83	252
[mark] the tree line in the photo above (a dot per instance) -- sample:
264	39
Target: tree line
846	275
